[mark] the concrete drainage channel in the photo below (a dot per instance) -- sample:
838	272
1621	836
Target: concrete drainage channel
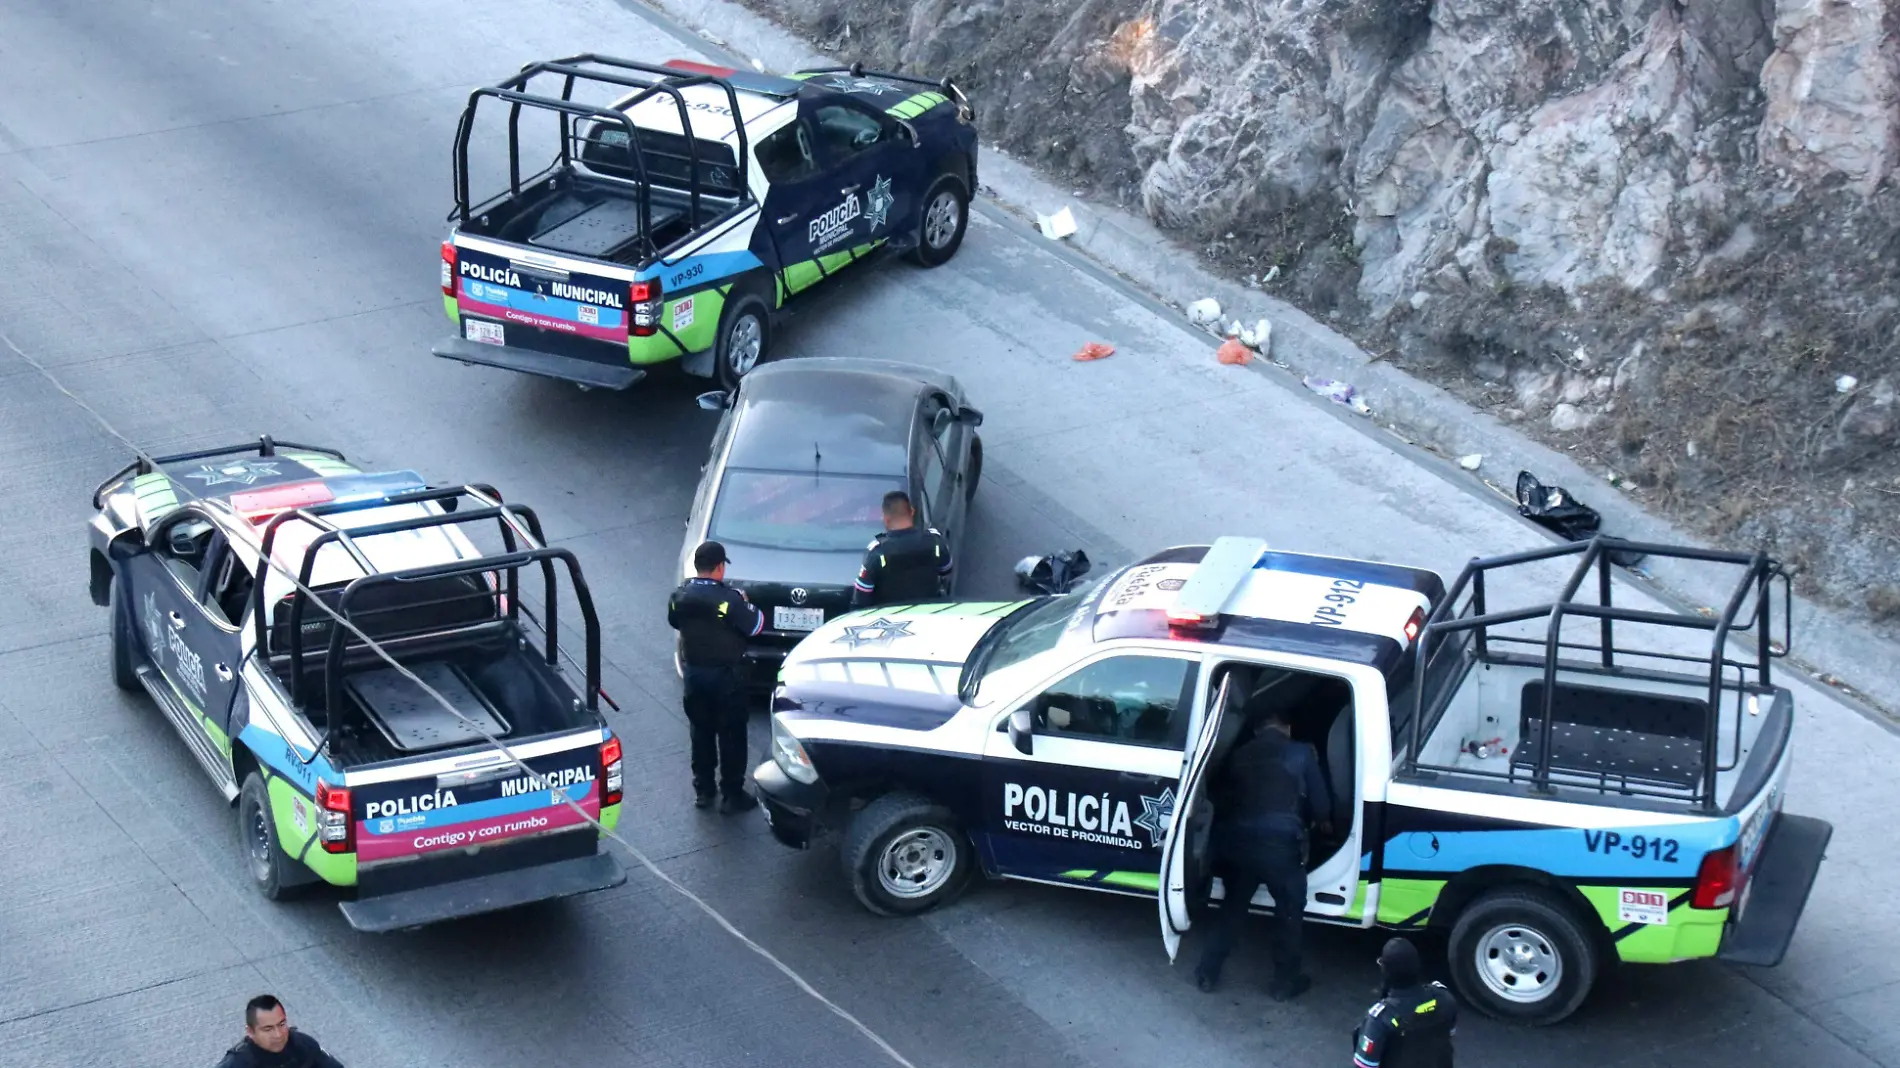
1418	419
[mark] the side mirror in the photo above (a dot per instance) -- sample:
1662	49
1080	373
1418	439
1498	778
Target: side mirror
941	422
1022	730
716	401
970	415
126	546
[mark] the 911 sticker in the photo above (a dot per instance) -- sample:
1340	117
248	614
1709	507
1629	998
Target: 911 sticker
1642	906
683	313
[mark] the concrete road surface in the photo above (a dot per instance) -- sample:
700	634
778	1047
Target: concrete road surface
218	220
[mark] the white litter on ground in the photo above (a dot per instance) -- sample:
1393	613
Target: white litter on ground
1204	312
1471	462
1058	226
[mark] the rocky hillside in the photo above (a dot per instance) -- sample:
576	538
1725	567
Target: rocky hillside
1664	234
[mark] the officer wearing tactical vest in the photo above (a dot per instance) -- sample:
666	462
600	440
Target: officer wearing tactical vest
1267	795
714	621
1413	1023
904	563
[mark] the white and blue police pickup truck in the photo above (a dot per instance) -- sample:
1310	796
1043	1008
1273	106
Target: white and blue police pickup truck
681	216
1553	803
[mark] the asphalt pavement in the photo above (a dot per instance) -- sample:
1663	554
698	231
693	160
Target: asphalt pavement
218	221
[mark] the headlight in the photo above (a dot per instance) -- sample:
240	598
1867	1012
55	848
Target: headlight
789	754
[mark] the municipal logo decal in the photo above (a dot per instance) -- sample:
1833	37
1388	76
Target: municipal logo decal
879	202
243	473
874	633
1156	814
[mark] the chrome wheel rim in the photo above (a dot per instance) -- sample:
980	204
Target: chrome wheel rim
1519	963
743	347
940	222
917	863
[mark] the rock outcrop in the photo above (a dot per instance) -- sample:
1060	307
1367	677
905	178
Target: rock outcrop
1658	232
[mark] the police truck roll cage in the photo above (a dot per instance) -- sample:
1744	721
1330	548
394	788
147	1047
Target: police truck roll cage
651	81
1463	612
524	543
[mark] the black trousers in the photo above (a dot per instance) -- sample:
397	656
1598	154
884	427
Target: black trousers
1245	862
716	715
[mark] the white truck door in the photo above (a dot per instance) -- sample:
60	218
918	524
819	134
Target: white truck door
1176	848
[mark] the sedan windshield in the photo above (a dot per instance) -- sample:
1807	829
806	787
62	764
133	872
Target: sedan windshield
811	511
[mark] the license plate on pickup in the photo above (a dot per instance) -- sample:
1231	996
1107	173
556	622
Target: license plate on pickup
797	618
486	333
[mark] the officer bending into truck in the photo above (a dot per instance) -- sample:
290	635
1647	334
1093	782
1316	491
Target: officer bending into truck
1413	1022
903	563
1268	794
714	620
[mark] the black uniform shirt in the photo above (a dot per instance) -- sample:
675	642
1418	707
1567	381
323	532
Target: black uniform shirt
302	1051
1274	780
912	564
1408	1028
714	622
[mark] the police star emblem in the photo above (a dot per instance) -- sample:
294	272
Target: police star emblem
244	472
1156	814
878	203
877	632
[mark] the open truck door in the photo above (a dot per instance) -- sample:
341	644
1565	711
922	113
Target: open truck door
1184	851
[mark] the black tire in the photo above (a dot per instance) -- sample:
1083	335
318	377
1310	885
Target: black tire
264	860
1560	956
900	827
745	339
950	192
975	473
124	640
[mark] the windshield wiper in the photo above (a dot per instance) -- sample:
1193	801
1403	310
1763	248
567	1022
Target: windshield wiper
985	647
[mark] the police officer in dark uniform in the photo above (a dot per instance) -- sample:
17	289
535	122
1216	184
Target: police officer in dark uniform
714	621
904	563
1268	794
1413	1023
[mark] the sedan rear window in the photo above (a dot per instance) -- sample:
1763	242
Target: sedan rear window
783	510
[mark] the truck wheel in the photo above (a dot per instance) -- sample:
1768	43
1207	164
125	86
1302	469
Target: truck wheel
264	858
745	337
124	647
975	474
1520	954
940	225
904	855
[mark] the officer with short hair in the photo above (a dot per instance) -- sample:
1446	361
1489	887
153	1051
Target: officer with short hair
1267	795
714	620
1413	1022
905	562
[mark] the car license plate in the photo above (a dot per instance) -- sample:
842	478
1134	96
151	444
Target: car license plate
797	618
486	333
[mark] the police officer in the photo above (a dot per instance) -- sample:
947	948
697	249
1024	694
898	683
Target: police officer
714	621
1412	1024
1269	792
903	563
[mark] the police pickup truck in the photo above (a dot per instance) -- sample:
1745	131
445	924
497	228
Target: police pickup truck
342	769
678	218
1552	813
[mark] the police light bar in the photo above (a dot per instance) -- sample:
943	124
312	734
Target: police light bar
1204	597
260	505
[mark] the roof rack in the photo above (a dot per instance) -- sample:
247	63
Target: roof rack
1456	614
649	79
949	88
523	543
265	445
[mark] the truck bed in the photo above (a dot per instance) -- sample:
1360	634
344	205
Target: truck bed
579	215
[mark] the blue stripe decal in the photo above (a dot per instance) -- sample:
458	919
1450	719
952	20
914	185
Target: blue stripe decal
698	270
278	755
1608	854
478	810
550	307
1404	578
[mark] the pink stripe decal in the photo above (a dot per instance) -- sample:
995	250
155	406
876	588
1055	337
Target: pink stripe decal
496	829
496	311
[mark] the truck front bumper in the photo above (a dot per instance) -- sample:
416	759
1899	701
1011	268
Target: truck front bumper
1777	891
792	809
483	893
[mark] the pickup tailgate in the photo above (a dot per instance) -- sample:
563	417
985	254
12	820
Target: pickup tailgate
520	297
448	843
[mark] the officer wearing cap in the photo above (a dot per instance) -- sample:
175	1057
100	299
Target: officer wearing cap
1412	1024
904	562
714	620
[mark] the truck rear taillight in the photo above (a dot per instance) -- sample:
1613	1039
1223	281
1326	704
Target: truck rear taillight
334	826
643	298
448	268
1413	625
1716	881
610	771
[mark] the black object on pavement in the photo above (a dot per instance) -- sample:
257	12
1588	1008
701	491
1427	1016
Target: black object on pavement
1558	510
1055	573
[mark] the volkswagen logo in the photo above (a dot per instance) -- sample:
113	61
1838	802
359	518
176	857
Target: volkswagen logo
799	595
